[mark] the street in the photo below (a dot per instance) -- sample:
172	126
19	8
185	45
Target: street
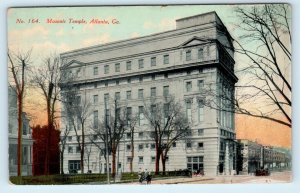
276	177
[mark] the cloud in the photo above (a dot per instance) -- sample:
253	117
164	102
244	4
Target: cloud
102	39
29	32
163	25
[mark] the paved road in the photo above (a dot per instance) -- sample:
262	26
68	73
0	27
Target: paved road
276	177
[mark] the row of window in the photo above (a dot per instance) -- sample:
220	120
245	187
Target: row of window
153	61
117	97
129	65
153	93
141	159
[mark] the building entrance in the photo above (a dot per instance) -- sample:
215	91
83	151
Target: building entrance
195	164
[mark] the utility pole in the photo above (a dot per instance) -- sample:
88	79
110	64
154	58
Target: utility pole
106	143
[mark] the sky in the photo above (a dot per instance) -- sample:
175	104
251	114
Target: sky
28	29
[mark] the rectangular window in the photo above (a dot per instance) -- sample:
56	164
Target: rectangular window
117	67
188	86
152	159
141	115
95	118
128	147
129	159
141	147
95	137
141	93
200	145
166	91
166	112
74	165
96	99
141	159
140	79
77	149
189	145
128	95
174	144
69	138
117	82
200	53
153	61
128	135
117	96
106	69
200	132
141	63
128	114
70	149
200	84
106	98
166	59
95	70
128	80
200	110
128	65
141	134
188	55
152	146
153	77
153	92
189	110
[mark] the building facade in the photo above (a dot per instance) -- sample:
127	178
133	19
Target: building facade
13	137
253	156
194	63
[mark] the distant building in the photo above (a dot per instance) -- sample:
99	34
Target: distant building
197	55
252	156
13	137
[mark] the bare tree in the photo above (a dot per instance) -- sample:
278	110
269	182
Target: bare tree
47	78
266	42
77	110
111	129
63	140
168	124
88	150
132	120
18	65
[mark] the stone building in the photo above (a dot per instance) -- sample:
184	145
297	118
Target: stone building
13	137
185	62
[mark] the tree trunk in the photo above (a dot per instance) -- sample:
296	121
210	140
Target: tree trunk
113	152
48	140
82	148
132	152
163	162
20	133
62	162
157	158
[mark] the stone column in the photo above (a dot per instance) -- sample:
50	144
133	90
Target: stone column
227	159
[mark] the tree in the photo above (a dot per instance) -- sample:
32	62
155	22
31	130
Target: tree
131	121
77	110
47	78
266	43
63	141
168	124
111	129
18	68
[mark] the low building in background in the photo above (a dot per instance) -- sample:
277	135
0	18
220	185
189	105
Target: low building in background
252	156
13	137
